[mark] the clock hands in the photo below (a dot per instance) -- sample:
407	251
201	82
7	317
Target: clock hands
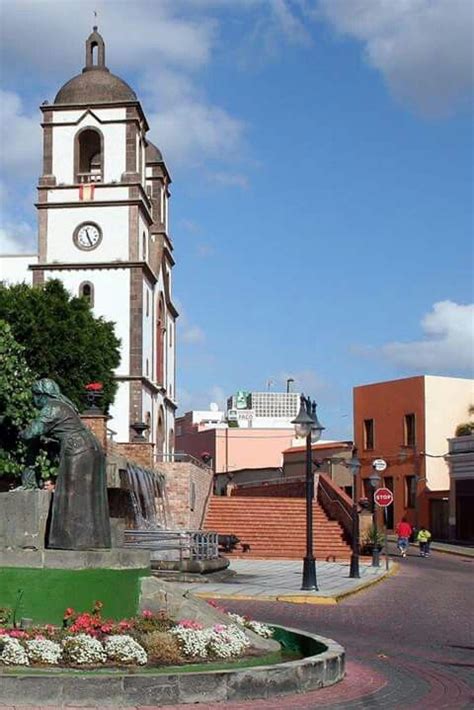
91	243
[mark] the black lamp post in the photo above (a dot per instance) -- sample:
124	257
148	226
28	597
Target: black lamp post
354	464
374	481
307	426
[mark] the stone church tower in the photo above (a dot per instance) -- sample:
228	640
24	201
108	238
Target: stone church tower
103	231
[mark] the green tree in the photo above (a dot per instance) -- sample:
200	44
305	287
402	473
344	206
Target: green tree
62	339
17	410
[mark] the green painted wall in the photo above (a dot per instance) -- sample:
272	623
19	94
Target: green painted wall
44	594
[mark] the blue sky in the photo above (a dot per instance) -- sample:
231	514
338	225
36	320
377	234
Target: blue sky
321	155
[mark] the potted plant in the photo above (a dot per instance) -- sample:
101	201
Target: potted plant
374	540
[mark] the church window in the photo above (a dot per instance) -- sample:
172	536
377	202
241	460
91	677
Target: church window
160	332
89	156
86	290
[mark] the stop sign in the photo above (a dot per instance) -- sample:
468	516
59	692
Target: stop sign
383	497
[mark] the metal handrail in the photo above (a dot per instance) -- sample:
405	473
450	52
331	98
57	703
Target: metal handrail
334	504
190	544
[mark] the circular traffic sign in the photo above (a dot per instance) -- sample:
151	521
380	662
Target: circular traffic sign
383	497
379	464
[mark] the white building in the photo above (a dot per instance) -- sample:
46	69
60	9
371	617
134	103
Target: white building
264	410
103	231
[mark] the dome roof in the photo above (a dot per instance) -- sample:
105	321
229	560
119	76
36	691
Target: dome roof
93	87
152	153
96	84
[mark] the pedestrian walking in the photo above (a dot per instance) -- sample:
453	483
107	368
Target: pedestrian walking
403	531
424	538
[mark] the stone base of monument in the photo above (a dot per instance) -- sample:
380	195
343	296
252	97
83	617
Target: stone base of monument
39	584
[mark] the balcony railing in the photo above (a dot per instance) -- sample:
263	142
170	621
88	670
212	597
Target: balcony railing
85	178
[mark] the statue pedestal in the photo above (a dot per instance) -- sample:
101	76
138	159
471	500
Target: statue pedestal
40	584
23	518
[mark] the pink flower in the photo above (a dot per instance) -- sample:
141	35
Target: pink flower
40	637
125	624
147	614
17	634
219	628
68	613
190	624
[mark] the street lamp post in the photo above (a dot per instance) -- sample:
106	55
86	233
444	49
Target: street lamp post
374	481
354	464
307	426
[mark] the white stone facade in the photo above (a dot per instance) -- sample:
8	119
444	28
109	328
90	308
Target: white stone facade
102	230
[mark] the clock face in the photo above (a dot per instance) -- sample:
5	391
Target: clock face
87	236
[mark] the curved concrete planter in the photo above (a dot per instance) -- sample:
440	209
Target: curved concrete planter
122	688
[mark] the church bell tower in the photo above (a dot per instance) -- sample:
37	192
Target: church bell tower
103	231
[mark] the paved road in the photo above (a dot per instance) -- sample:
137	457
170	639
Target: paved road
409	640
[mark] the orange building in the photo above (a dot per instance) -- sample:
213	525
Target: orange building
407	423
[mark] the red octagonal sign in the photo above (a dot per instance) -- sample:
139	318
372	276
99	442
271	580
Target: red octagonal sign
383	497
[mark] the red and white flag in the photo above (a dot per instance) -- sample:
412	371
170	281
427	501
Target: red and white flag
86	192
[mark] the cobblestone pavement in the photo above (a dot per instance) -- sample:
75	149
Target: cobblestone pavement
409	642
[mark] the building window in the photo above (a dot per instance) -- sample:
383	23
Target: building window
86	290
409	431
147	300
144	246
89	156
147	370
368	433
410	491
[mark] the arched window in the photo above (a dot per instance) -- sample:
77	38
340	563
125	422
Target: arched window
160	339
160	435
89	156
86	290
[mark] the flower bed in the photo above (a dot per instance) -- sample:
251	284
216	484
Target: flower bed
86	640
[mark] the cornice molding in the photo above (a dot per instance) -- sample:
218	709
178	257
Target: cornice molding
98	203
89	107
91	265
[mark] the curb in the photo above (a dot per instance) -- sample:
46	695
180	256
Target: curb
302	598
321	669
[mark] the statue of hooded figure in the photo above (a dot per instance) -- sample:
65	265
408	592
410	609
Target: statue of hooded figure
80	514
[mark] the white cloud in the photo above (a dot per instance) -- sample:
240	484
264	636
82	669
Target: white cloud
192	335
17	238
447	346
422	47
228	179
201	399
20	136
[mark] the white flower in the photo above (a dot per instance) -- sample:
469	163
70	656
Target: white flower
82	648
13	653
221	641
125	650
43	651
256	626
259	628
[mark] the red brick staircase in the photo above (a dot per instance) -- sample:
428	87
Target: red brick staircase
275	528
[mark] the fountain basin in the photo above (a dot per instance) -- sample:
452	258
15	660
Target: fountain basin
322	665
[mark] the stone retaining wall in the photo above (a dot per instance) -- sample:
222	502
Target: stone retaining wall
62	688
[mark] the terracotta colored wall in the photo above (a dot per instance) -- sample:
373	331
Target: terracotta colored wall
97	423
387	403
140	453
187	492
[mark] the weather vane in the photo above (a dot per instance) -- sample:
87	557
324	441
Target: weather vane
95	19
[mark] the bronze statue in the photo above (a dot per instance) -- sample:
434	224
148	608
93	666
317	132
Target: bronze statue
80	514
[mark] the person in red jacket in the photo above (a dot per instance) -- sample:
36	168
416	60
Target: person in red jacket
403	530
